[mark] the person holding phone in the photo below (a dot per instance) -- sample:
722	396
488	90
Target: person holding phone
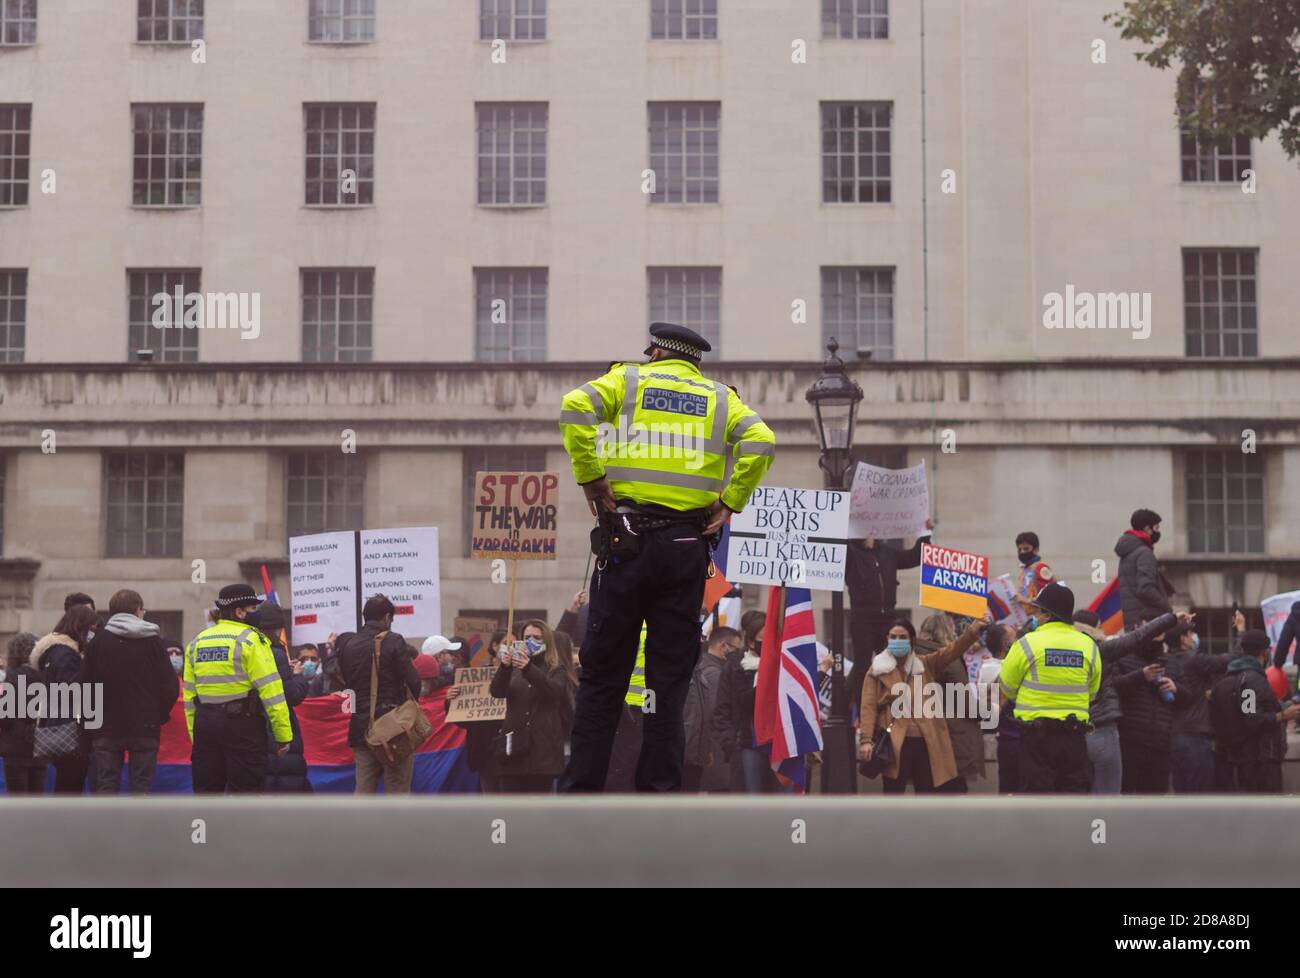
537	683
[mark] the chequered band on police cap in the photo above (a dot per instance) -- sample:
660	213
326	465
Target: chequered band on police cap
678	346
241	599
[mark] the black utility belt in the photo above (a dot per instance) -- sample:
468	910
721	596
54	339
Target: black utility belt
1070	724
618	535
245	707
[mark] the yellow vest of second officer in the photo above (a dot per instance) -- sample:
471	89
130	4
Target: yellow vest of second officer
1052	673
224	663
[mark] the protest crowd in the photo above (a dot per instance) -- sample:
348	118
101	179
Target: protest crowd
1163	714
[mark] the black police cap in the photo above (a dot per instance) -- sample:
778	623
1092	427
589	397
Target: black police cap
676	338
237	595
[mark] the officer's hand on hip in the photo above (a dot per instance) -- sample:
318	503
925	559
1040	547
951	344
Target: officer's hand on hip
600	496
717	513
284	749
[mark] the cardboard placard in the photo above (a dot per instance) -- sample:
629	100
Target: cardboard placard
790	536
514	515
475	702
478	632
888	503
953	580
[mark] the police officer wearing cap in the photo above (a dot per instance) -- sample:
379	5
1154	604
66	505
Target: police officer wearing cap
230	678
649	445
1052	674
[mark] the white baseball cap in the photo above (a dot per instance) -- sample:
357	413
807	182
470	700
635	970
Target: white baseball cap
438	643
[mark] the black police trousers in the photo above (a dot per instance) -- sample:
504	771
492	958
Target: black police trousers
664	586
1054	758
229	751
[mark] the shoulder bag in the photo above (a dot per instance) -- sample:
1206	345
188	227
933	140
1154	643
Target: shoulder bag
400	731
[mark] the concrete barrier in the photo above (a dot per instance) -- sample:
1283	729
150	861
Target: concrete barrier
637	841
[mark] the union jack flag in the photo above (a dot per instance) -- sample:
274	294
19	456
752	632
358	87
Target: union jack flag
785	703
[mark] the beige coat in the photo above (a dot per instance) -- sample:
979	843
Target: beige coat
880	692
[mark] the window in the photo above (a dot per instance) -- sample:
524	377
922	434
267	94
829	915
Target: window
15	154
1225	502
511	152
153	320
168	21
2	505
1219	305
690	20
501	459
171	624
168	155
512	20
13	314
858	310
690	296
1219	162
17	22
510	314
684	139
855	152
144	503
341	154
324	491
341	21
855	19
338	314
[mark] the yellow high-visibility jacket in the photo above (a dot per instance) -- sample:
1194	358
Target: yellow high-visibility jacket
660	432
224	663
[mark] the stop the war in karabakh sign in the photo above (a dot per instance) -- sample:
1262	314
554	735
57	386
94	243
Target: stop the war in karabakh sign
514	515
953	580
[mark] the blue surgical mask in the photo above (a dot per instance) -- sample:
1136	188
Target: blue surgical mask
898	647
176	663
534	645
1196	642
309	668
1033	623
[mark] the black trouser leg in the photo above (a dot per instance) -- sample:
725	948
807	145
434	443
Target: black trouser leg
1054	760
672	647
608	656
208	758
626	750
229	753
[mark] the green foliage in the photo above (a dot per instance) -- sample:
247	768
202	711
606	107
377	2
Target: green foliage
1238	63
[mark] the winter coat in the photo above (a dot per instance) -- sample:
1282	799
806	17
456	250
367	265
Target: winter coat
1147	719
1195	672
397	676
733	712
965	733
57	660
287	773
881	689
701	700
16	733
1105	705
1143	590
1240	735
1290	634
139	683
539	709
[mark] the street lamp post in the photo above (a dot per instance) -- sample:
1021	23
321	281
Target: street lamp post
835	399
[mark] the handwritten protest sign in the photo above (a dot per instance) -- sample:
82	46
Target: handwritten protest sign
790	536
953	580
1003	604
888	503
475	702
478	633
514	515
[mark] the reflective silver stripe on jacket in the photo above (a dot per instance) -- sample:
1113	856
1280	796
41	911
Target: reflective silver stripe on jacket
682	380
743	425
1029	654
680	480
629	391
222	697
578	417
238	677
756	448
269	678
1053	687
278	698
597	402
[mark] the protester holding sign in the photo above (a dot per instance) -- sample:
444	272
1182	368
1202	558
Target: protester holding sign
537	684
480	735
871	578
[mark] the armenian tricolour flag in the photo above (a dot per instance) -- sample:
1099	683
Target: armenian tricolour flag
1108	608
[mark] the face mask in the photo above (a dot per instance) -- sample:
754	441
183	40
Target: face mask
1155	536
176	663
534	645
309	668
1028	559
90	636
898	647
447	672
1033	623
1196	642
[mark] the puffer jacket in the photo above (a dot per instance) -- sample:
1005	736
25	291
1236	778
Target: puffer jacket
1143	591
1105	705
1147	719
57	660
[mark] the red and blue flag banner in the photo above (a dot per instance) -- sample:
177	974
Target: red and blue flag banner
1109	609
439	761
786	713
267	588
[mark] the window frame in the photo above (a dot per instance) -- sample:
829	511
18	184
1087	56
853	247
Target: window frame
858	132
363	275
680	130
483	351
832	14
1198	312
167	287
1196	464
8	20
683	19
515	17
178	507
168	158
343	17
353	484
169	19
673	302
830	328
12	187
8	298
512	133
339	157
